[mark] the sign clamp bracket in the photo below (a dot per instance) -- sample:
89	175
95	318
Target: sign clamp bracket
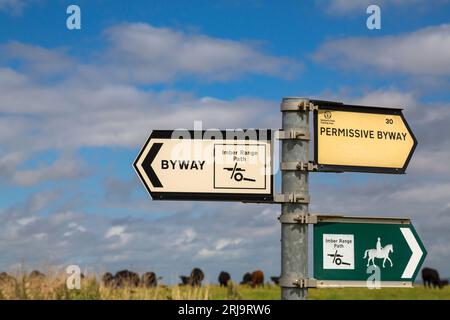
299	166
291	198
294	134
298	283
298	218
304	105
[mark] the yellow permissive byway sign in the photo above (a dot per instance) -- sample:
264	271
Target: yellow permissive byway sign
364	139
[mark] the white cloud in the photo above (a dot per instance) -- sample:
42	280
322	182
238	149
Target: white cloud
26	221
387	98
77	227
139	53
146	54
423	52
382	97
432	162
120	237
13	7
42	200
9	161
340	7
37	60
185	237
62	169
74	228
63	217
97	104
212	253
40	236
224	247
425	193
211	236
223	243
68	117
115	231
67	113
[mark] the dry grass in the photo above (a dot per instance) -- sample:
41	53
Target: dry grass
53	287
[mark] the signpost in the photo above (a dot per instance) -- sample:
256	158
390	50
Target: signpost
207	165
345	247
360	138
236	165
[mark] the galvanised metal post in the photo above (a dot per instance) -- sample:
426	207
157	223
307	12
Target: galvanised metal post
294	236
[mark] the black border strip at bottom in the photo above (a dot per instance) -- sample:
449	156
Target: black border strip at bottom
220	309
247	197
340	168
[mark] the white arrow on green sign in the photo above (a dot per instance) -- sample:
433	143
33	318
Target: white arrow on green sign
346	250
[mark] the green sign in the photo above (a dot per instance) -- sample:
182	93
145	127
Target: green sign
347	250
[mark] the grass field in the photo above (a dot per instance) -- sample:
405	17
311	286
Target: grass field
54	288
273	293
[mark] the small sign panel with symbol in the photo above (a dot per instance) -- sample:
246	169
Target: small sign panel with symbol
239	166
338	251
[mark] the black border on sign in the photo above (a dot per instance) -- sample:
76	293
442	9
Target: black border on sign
207	196
337	106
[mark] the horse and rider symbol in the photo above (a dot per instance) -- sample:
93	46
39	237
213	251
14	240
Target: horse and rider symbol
237	175
379	253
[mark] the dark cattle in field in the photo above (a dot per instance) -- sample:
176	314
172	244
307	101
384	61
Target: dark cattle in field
185	280
149	280
430	278
196	277
257	278
35	275
275	280
108	279
247	278
126	278
6	279
224	277
4	275
444	283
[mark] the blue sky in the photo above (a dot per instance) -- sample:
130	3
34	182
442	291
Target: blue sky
77	105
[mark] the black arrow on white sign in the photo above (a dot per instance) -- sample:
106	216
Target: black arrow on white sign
147	165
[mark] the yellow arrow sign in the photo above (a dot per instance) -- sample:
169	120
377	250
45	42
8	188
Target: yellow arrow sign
362	139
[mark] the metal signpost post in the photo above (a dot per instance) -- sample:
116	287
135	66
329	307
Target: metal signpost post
294	181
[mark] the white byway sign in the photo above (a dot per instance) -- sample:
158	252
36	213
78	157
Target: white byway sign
203	166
